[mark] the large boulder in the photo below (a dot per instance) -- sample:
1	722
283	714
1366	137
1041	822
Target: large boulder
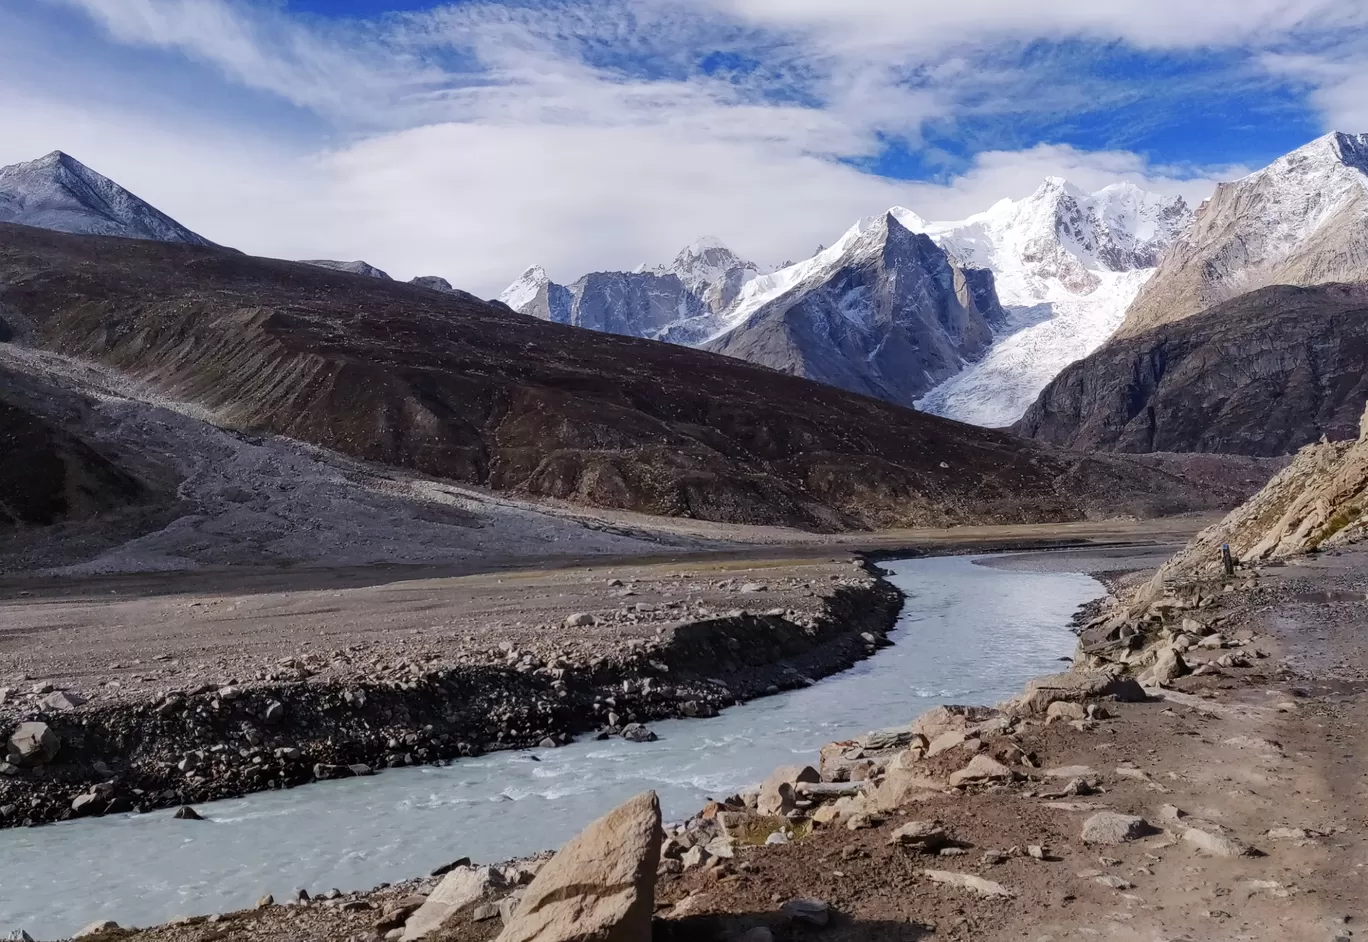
458	889
950	718
1075	687
1168	666
901	787
777	792
600	887
980	770
1109	827
33	744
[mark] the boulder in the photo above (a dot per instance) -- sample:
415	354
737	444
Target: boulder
600	886
946	741
33	744
581	620
97	927
981	769
1109	827
63	700
186	813
1168	666
1217	845
923	837
1075	687
777	791
893	738
943	719
458	889
901	787
1065	710
813	912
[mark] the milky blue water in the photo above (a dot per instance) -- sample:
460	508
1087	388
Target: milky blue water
968	634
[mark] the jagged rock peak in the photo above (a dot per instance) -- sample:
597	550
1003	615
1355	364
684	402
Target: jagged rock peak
58	192
1302	220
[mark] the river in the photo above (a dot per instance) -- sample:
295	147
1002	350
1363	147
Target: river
969	633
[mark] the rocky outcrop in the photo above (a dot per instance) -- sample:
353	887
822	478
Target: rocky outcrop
600	887
1318	501
884	313
1261	375
1303	220
463	390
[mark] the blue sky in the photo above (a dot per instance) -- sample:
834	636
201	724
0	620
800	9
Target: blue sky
469	139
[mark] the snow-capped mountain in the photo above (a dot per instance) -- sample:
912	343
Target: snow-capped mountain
675	302
712	272
1068	264
882	312
1302	220
1064	265
59	192
356	268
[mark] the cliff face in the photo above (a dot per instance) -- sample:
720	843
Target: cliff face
1261	375
1302	220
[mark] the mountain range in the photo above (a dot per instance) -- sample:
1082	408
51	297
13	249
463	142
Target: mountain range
1242	342
1000	302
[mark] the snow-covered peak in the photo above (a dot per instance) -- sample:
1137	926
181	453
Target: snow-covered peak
1062	237
1290	199
525	288
708	264
59	192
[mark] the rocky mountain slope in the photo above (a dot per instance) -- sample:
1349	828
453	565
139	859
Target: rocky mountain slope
48	475
1067	265
1302	220
358	267
474	393
883	312
59	192
1264	374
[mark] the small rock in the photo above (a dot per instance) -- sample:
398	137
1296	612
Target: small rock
274	713
581	620
813	912
97	927
484	912
63	700
265	902
778	837
1115	882
925	837
968	881
1109	827
186	813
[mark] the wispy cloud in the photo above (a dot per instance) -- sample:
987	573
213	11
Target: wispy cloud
472	138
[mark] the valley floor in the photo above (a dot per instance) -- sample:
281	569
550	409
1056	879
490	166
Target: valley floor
1265	757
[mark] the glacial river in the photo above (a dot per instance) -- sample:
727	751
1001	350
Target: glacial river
968	634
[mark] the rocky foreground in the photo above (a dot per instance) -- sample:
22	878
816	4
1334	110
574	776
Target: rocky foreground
1202	779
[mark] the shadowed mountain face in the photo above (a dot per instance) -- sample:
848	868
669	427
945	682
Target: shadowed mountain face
47	475
1261	375
476	393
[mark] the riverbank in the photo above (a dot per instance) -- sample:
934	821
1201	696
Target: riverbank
1246	771
193	731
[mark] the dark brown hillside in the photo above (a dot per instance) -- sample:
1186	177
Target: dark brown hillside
48	476
1263	374
473	392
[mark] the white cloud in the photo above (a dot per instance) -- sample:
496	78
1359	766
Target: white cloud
1339	82
1165	23
477	139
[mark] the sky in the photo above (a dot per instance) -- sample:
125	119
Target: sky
472	139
